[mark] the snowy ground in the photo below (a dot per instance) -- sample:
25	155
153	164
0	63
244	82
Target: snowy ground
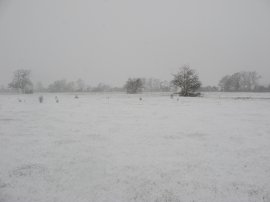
114	147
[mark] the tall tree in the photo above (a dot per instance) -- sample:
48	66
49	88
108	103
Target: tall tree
21	81
188	80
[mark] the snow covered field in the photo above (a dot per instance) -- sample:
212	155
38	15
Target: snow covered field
114	147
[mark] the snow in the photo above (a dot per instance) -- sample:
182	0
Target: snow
116	147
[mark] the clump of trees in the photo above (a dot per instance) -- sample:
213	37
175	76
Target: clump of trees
134	85
61	86
187	80
155	85
240	81
21	81
101	87
80	86
65	86
208	89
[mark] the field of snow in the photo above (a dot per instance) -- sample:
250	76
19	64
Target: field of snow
118	148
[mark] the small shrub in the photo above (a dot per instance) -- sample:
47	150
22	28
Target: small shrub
40	99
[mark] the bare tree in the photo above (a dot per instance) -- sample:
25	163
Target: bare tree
21	81
249	80
188	80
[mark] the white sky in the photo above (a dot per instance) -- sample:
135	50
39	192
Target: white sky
111	40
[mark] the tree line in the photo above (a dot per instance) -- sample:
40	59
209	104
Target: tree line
185	82
22	83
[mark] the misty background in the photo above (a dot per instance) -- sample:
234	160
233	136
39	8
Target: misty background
111	40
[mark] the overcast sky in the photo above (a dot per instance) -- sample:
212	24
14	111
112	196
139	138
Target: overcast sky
111	40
